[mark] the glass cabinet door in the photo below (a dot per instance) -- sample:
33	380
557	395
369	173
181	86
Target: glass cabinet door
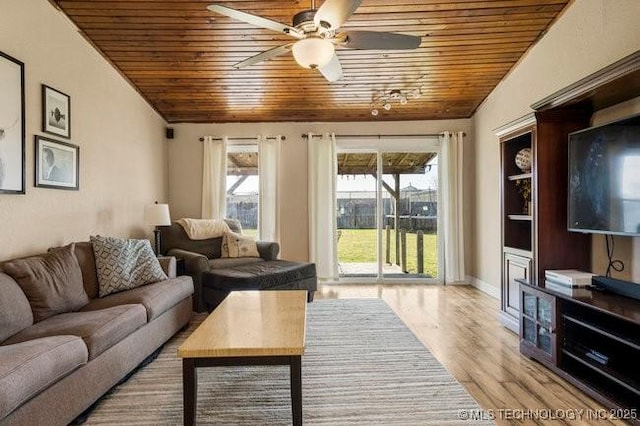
537	324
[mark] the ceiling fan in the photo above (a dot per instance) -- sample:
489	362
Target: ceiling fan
315	30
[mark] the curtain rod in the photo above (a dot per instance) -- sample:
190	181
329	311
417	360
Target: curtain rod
422	135
215	138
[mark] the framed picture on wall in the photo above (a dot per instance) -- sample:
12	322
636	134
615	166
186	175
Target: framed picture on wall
57	164
56	112
12	158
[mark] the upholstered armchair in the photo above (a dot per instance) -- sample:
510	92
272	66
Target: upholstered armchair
200	256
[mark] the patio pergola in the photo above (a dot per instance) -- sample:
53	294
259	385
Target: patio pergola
245	164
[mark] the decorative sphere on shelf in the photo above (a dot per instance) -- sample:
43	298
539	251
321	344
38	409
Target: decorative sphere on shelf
523	159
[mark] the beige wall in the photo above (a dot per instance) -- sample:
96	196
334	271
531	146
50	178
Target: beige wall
122	148
185	168
590	35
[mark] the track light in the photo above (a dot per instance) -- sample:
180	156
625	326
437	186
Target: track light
387	98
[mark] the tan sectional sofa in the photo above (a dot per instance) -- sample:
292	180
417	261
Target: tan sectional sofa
54	369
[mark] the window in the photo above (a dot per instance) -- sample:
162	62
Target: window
243	186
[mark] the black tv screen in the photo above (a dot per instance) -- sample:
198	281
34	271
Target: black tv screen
604	178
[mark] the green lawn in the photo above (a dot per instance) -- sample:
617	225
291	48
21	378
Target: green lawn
359	246
250	232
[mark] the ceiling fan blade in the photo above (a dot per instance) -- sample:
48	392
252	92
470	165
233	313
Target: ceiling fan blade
333	13
333	70
258	21
265	56
379	40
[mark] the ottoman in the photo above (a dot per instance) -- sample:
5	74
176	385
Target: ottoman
268	275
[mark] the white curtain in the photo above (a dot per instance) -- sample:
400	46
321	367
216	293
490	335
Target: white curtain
269	158
323	164
453	209
214	178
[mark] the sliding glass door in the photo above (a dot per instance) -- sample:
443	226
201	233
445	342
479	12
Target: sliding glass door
410	214
357	221
387	214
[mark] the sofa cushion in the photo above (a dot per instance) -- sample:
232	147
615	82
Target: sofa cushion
156	298
123	264
29	367
51	281
258	275
237	245
15	311
230	262
99	329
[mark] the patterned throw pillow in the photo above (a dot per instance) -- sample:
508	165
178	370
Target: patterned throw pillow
123	264
236	245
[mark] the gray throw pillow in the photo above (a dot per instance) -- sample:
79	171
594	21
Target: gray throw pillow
52	282
123	264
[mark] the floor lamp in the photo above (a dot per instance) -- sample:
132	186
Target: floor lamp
157	215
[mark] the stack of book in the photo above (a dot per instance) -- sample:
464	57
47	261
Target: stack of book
569	281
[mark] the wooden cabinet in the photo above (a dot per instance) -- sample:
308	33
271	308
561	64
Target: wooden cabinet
517	218
593	341
600	349
517	266
534	203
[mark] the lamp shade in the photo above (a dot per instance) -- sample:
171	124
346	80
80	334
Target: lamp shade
313	52
157	214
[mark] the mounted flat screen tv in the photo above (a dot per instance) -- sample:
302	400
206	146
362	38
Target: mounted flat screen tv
604	178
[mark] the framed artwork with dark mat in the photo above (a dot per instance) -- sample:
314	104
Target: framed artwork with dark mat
56	112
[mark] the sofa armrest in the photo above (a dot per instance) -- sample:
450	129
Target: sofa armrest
169	265
194	265
193	262
268	250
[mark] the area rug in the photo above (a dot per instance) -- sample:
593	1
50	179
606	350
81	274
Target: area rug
362	366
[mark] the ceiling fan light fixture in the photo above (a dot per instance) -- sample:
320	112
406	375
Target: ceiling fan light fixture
313	52
387	106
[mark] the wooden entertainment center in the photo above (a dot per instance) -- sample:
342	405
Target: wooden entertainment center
593	342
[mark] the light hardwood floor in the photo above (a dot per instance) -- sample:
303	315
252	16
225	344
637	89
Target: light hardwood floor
459	325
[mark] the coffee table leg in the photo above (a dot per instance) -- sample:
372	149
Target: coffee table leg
295	365
189	390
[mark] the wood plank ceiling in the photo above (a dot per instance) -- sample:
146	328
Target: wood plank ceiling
179	56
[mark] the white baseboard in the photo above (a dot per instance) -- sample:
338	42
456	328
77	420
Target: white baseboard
463	282
484	287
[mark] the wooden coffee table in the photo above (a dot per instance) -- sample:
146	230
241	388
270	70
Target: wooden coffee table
248	328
